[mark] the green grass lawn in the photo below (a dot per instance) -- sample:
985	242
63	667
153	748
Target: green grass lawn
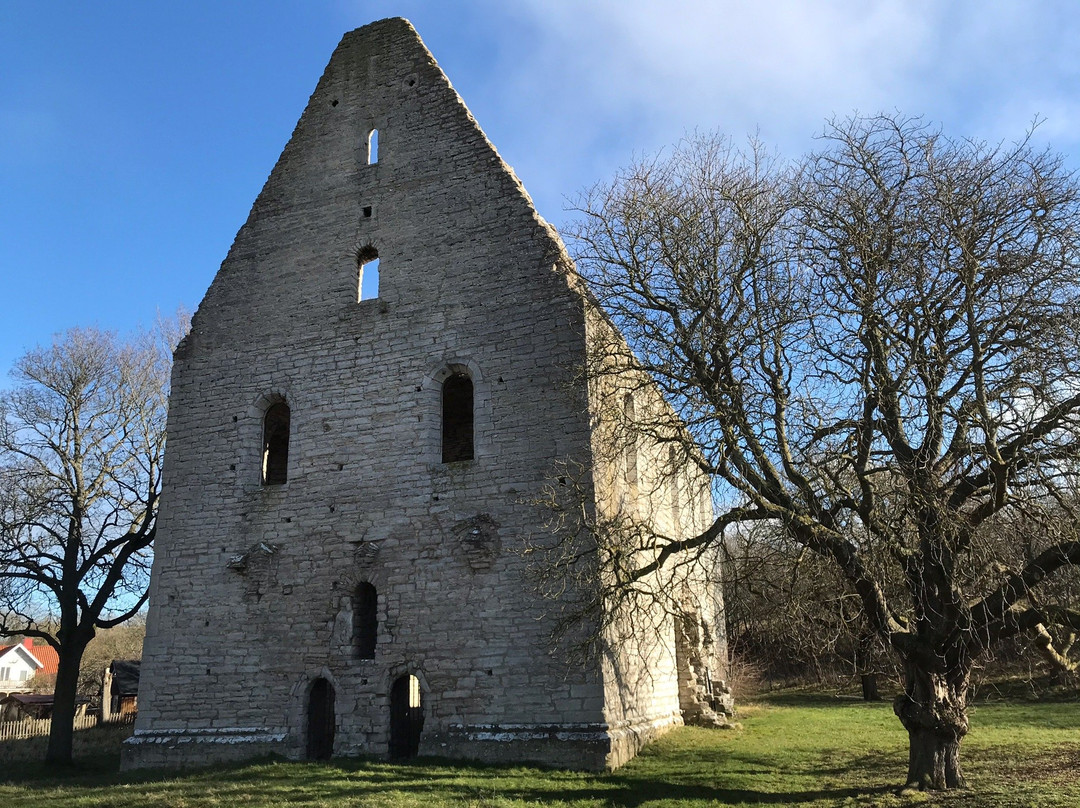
795	749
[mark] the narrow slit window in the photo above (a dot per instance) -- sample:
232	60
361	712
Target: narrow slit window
457	418
676	491
367	273
373	147
365	620
275	459
631	456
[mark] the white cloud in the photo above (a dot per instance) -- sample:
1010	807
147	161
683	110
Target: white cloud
700	63
570	89
591	82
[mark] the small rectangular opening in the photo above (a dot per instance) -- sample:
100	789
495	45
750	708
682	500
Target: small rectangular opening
367	212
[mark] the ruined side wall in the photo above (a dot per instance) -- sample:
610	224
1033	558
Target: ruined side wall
647	487
251	598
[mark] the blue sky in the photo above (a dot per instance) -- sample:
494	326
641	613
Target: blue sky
134	136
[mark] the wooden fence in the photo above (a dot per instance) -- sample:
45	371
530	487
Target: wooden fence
39	727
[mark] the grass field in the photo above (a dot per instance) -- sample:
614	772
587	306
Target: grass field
796	750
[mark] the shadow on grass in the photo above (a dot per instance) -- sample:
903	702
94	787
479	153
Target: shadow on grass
801	698
1033	690
273	782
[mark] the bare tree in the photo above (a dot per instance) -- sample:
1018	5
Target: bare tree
123	642
791	617
876	351
81	439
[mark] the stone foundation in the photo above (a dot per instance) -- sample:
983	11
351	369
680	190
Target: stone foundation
592	747
181	749
629	738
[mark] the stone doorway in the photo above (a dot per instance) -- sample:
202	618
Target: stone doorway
406	717
320	720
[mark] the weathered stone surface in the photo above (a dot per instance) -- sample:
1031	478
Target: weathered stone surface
254	586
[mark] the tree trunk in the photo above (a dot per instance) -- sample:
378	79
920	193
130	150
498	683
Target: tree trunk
933	709
865	663
870	690
62	731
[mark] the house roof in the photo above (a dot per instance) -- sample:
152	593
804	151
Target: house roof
43	657
50	660
4	649
125	677
30	698
11	652
37	699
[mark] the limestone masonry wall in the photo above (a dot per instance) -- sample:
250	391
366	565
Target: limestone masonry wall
252	620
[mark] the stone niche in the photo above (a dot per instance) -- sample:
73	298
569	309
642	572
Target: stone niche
478	541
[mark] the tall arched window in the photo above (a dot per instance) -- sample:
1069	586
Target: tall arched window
275	455
367	272
373	147
365	620
457	418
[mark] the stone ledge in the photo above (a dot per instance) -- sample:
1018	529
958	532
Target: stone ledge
588	746
186	748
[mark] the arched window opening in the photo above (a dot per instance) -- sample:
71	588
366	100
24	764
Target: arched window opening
373	147
631	453
365	620
367	273
275	456
406	717
457	418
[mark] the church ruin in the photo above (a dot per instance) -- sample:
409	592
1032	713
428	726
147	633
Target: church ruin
380	382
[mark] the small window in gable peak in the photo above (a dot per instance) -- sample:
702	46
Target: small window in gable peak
367	273
373	147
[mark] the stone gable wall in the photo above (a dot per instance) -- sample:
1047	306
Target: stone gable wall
252	587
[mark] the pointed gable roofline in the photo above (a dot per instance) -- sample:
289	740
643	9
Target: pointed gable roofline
324	201
25	650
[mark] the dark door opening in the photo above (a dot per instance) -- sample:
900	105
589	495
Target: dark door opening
320	726
406	717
